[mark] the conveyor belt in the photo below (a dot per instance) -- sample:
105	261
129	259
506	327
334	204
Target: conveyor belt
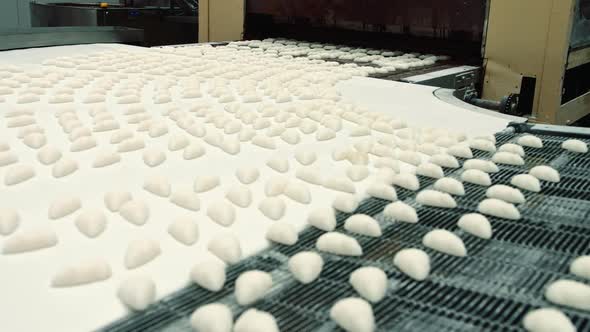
489	290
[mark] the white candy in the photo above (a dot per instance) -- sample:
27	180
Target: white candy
272	207
310	175
279	164
410	157
530	141
346	203
444	160
18	173
184	230
9	221
575	145
7	158
545	173
387	163
385	175
291	136
135	212
340	153
239	195
121	135
186	199
153	157
325	134
476	224
307	126
253	320
20	121
353	315
581	267
526	182
64	206
48	155
406	180
382	191
83	143
363	224
30	240
214	317
415	263
158	185
64	167
482	165
275	186
505	193
569	293
140	252
206	182
338	244
305	156
85	272
264	142
483	145
35	140
177	142
226	247
430	170
247	174
209	274
547	320
298	192
106	158
222	213
115	199
193	151
401	211
497	208
340	184
477	177
137	292
213	138
512	148
251	286
158	129
507	158
357	158
370	282
450	185
323	218
445	242
131	144
91	222
231	145
283	233
460	150
306	266
436	198
357	172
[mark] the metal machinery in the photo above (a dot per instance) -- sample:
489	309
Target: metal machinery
536	65
163	22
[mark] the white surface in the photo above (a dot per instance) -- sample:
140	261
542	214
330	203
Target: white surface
29	304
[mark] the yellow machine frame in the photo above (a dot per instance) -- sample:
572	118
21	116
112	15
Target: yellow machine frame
531	38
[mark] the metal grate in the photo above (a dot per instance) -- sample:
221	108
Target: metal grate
489	290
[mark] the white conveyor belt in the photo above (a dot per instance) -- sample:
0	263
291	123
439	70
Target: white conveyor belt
28	303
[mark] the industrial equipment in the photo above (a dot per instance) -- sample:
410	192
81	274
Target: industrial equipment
540	60
164	22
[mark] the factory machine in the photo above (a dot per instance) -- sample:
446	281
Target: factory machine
534	65
520	57
162	22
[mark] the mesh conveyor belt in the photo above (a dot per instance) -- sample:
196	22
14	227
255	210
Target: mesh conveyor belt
489	290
